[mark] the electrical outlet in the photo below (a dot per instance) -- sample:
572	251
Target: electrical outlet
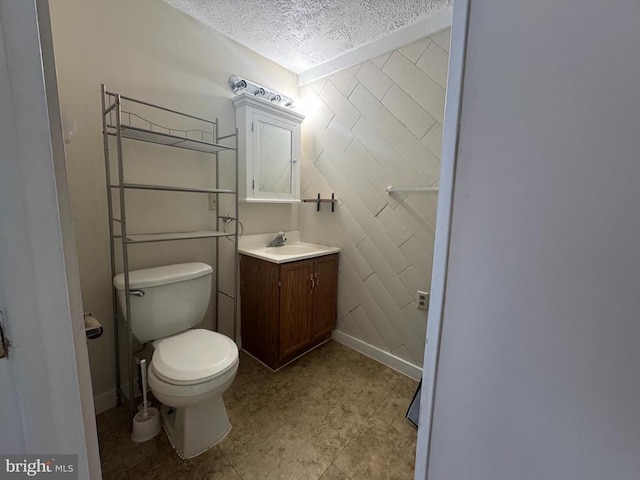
213	201
422	300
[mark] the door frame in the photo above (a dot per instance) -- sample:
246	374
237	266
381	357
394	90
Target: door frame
450	140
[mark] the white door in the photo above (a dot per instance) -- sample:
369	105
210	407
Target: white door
538	370
45	393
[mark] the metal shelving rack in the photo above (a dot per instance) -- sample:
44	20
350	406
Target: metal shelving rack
119	124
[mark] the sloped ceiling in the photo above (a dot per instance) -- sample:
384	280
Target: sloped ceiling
301	34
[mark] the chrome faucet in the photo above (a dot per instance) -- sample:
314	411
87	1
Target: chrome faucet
278	241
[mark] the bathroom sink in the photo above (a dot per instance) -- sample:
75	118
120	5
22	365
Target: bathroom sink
292	249
289	252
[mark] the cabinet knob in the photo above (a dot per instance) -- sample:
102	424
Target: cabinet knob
313	283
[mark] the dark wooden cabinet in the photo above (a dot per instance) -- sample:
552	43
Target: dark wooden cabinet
288	308
325	297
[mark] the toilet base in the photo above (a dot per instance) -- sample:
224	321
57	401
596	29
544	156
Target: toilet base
195	429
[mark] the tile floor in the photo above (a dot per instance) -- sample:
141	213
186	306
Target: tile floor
333	414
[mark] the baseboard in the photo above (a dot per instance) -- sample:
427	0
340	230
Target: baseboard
386	358
109	399
105	401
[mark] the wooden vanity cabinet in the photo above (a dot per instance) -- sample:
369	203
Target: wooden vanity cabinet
287	308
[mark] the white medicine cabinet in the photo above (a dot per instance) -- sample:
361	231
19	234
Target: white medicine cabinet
268	150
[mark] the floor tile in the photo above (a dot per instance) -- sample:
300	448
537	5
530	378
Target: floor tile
112	418
332	430
283	455
114	472
332	404
390	418
374	454
152	469
210	465
333	473
134	453
248	429
362	392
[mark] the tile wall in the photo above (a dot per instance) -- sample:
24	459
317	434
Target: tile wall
377	124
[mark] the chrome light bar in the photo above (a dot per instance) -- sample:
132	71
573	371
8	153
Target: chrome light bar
239	84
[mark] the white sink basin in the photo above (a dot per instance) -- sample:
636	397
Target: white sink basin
290	252
292	249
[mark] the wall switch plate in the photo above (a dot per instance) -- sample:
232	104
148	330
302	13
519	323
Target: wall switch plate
422	300
213	201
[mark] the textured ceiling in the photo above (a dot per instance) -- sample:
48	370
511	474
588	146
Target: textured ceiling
301	34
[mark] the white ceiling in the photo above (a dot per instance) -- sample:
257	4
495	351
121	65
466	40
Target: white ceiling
302	34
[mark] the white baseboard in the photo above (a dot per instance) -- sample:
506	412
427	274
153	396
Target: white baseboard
105	401
386	358
109	399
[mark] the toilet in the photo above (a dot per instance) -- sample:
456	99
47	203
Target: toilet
190	368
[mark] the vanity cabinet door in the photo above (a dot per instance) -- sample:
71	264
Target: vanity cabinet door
295	306
325	293
260	308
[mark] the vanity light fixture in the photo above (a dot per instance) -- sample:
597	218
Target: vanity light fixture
239	84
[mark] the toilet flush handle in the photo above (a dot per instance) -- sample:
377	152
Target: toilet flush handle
136	293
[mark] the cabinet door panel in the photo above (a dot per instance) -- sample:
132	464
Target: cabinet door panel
325	294
274	149
274	158
259	308
295	306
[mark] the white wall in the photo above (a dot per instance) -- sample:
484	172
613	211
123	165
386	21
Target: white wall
377	124
538	372
147	50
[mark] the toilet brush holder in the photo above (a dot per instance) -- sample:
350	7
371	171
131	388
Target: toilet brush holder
146	423
145	427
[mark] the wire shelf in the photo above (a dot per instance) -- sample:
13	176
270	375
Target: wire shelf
170	188
164	237
196	134
137	127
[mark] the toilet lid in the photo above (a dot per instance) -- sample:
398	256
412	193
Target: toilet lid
193	356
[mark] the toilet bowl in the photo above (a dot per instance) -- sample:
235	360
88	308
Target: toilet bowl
189	372
190	368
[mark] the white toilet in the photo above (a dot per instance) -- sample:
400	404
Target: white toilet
190	368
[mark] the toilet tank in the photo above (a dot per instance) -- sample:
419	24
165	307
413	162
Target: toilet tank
165	300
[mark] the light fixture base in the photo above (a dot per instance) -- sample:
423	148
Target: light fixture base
238	84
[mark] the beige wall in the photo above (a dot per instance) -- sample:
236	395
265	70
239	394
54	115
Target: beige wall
147	50
378	124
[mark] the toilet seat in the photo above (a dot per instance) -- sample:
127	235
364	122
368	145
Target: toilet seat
193	357
184	395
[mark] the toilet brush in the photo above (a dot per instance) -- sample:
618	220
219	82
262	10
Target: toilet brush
146	423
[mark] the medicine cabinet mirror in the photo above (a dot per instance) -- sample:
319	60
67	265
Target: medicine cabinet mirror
269	150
